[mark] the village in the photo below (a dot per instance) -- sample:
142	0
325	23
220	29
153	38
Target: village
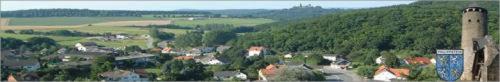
404	41
131	64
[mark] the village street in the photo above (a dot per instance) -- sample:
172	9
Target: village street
337	75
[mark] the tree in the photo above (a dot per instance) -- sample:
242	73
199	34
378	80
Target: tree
29	31
190	39
39	43
10	31
297	74
184	70
99	65
314	59
391	60
133	48
159	35
11	43
366	71
217	37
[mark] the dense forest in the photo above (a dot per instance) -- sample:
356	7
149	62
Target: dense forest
89	13
293	13
421	26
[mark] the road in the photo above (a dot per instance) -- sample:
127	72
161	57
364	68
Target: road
337	75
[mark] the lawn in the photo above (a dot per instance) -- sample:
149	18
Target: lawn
60	21
233	21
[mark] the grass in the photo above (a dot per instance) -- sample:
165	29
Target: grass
153	70
234	21
60	21
117	30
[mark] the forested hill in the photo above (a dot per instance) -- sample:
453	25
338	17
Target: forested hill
420	26
88	13
293	13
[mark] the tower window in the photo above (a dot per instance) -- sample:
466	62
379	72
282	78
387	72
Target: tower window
477	20
469	20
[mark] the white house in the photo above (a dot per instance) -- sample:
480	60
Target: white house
121	37
120	75
229	75
433	60
210	60
387	74
289	55
379	60
84	46
255	51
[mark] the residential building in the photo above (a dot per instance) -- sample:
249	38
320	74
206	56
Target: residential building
167	50
210	60
418	61
269	71
379	60
29	64
384	73
256	51
229	75
83	46
289	55
222	48
120	75
184	58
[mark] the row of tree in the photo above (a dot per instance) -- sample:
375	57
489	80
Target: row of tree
89	13
54	33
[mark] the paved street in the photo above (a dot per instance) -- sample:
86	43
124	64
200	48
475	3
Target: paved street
337	75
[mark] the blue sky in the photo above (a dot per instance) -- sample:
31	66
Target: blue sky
174	5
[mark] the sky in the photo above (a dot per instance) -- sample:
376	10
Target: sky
175	5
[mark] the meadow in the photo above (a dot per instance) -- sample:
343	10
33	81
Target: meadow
62	21
107	25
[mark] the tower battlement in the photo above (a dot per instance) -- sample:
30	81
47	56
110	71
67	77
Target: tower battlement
475	9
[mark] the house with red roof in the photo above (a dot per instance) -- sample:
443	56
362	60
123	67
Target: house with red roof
384	73
256	51
269	71
184	58
418	61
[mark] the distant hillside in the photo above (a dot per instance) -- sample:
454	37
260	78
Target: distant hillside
421	26
296	12
89	13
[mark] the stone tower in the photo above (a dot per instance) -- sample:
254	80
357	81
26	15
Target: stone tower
474	23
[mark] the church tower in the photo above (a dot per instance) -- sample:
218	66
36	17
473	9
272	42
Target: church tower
474	23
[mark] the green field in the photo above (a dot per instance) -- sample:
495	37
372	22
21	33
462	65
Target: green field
233	21
61	21
70	41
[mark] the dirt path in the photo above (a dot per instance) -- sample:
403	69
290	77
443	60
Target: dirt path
135	23
4	22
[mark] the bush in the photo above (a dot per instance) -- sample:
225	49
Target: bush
366	71
10	31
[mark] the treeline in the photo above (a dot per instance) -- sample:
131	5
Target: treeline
54	33
31	44
422	26
89	13
282	14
